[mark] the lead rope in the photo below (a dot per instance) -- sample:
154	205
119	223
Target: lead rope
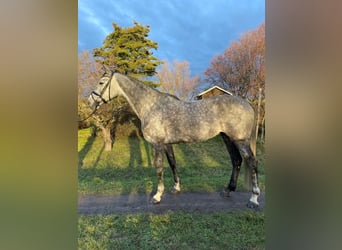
93	112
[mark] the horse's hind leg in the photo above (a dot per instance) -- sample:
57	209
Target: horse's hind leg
248	156
236	162
158	163
172	162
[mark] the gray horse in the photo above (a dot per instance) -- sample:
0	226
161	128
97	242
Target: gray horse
165	120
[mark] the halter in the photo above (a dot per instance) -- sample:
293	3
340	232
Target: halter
99	95
103	90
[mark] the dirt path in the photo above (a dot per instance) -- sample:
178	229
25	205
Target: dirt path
190	202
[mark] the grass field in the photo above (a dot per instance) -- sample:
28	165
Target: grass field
128	169
173	230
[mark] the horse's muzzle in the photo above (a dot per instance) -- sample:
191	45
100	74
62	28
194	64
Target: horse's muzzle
92	102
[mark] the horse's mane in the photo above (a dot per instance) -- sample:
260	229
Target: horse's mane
173	96
163	93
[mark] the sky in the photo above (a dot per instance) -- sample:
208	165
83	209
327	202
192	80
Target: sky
185	30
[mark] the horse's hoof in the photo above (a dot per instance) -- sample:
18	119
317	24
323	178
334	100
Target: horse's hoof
175	191
225	193
155	202
231	188
252	205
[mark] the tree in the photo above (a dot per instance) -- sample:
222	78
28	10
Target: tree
128	51
176	79
241	69
88	74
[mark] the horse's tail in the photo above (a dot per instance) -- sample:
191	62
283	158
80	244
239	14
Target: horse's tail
253	141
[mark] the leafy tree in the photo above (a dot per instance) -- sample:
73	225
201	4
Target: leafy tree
176	79
128	51
89	72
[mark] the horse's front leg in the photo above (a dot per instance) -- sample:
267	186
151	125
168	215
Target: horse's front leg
172	162
158	163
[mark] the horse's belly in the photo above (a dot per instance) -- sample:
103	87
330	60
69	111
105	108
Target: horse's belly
175	132
190	132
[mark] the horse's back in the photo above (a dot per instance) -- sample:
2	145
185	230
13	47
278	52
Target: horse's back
173	121
231	115
237	117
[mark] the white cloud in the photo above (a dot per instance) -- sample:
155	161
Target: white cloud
89	14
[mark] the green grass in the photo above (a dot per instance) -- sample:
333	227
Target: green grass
128	168
173	230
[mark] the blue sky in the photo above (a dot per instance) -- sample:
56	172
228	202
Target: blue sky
191	30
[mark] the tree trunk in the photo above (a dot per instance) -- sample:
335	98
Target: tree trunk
263	130
107	137
93	130
258	115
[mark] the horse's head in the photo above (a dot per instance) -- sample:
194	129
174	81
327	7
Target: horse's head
105	91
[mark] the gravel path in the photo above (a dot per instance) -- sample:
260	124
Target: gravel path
190	202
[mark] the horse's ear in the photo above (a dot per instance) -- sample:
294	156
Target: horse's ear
106	68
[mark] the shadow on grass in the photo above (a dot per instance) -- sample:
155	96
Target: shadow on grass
202	167
211	159
193	161
206	164
101	176
133	140
116	181
85	149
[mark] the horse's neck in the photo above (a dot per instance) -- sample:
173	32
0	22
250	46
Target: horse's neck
139	96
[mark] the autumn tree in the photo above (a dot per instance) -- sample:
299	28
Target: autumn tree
241	69
176	79
88	74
